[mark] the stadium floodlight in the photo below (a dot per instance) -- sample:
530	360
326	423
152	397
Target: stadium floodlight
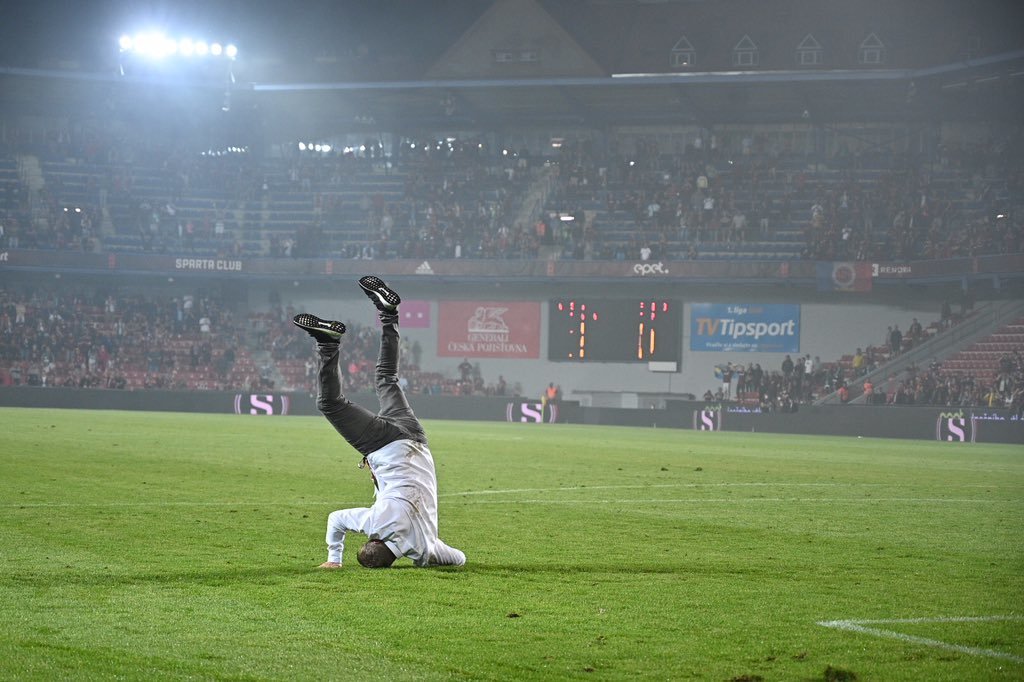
144	43
153	44
156	45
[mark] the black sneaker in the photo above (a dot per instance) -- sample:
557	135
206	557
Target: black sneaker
385	298
324	331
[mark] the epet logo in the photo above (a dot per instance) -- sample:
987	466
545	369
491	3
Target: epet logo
266	404
645	269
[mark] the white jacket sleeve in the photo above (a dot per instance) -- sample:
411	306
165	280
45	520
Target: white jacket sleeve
339	523
443	555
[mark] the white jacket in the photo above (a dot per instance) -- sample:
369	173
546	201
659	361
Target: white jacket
404	513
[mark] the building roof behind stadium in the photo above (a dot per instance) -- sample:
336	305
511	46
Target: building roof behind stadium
467	64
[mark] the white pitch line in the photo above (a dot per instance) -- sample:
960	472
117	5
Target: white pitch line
744	500
552	501
249	504
859	626
940	619
571	488
576	488
629	500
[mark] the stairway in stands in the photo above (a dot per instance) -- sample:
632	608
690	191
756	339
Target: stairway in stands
982	358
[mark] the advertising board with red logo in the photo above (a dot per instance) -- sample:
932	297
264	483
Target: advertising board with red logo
488	329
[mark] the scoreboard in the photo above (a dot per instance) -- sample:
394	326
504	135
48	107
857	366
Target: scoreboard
614	330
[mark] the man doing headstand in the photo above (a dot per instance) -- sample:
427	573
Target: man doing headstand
403	518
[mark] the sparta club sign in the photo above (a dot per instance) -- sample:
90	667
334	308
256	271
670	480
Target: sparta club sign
257	403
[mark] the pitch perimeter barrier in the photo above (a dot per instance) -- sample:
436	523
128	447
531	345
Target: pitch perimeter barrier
923	423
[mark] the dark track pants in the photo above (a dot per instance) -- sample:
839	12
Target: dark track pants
364	430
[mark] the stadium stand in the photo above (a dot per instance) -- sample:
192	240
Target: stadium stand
641	197
773	206
95	339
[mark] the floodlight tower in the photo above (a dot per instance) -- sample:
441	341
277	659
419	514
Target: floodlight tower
154	50
183	64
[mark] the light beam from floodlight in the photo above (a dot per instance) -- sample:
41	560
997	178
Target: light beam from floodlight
125	42
231	51
216	49
202	49
186	47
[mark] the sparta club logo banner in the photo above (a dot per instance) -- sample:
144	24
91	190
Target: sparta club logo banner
261	404
488	329
708	419
955	427
531	413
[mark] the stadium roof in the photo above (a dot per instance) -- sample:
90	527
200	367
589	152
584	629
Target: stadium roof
327	66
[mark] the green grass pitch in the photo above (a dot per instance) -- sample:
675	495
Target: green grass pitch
171	546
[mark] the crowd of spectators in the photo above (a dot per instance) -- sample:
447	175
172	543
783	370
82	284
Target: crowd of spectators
459	201
109	339
908	214
629	199
937	386
803	379
700	201
114	340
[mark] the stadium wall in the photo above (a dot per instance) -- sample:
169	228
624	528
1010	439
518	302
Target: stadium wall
829	328
921	423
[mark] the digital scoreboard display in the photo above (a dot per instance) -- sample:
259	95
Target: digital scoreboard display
614	330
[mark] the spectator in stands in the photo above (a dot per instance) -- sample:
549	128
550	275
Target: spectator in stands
895	340
465	370
1017	403
946	314
859	363
727	373
787	367
915	332
869	392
